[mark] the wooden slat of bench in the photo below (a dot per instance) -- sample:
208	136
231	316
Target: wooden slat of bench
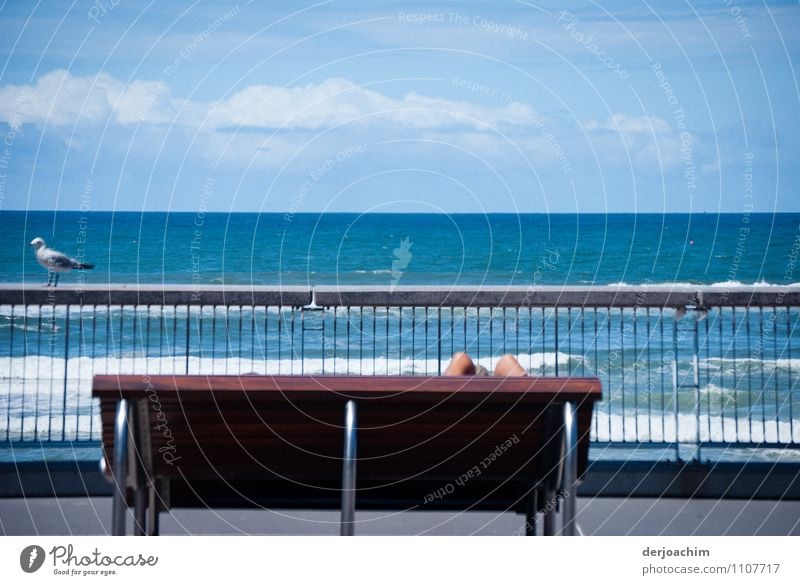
461	387
262	427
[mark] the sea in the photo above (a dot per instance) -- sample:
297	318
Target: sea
369	249
727	376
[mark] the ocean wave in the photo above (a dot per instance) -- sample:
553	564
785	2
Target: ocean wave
36	416
730	363
676	284
689	428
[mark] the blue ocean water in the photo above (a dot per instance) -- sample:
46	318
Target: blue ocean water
405	249
728	375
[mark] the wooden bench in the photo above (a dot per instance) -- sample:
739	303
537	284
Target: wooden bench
423	443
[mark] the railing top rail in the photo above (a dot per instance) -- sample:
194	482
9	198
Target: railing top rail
640	296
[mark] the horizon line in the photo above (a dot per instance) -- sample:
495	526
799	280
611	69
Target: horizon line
293	214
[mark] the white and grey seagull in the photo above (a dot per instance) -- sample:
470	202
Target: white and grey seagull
55	262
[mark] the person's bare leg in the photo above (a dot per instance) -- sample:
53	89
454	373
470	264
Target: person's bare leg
460	365
509	366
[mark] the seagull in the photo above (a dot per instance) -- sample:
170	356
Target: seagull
55	262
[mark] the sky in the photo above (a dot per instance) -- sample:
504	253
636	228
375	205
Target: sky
508	106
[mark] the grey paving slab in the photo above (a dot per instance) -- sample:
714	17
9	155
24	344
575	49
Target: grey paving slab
606	516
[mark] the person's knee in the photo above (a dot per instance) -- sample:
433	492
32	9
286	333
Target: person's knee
460	364
508	359
509	366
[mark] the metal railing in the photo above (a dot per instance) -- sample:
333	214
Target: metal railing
696	365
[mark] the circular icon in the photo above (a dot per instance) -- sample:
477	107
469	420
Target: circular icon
31	558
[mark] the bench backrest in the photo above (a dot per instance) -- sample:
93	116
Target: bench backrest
290	427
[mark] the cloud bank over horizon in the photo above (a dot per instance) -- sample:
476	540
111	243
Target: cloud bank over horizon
624	108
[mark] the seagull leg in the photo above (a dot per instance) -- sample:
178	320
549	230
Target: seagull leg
49	277
56	284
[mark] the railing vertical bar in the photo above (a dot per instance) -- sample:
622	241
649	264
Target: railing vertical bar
347	368
622	368
749	374
478	333
426	340
323	349
10	374
188	328
789	330
292	340
775	367
94	367
761	386
465	330
81	353
25	368
722	354
387	340
583	340
608	372
452	338
361	340
555	336
734	331
134	328
147	342
696	371
253	338
239	351
374	336
302	341
174	346
675	388
335	336
544	342
38	376
52	352
635	371
266	338
663	383
400	342
213	339
505	335
707	337
569	341
201	339
228	336
66	378
439	340
649	377
161	326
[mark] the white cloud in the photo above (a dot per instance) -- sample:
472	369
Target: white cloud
648	140
625	124
61	99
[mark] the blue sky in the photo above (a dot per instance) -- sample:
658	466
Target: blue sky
403	106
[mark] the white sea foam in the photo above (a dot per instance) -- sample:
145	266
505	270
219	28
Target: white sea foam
754	363
690	428
35	399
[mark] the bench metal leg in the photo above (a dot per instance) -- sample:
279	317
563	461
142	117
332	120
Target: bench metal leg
569	487
530	513
139	511
349	470
551	513
153	512
119	506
